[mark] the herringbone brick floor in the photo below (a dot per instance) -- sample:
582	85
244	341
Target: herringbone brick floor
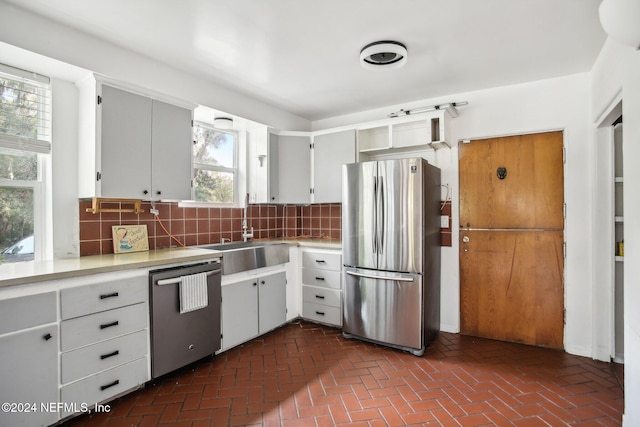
305	374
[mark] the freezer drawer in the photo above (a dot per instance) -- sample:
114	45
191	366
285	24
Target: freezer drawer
384	307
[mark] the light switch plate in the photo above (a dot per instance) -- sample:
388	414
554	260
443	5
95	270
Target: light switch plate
444	221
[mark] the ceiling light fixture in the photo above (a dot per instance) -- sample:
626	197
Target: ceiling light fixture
383	55
619	19
223	122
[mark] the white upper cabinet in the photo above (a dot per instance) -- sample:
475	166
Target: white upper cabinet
330	152
133	146
422	131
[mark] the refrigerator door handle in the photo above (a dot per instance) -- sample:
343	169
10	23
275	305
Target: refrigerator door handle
379	277
374	208
379	214
381	217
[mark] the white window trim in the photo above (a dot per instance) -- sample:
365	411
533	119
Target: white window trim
42	192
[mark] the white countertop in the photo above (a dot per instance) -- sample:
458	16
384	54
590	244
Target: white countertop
21	273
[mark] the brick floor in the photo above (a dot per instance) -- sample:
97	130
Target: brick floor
305	374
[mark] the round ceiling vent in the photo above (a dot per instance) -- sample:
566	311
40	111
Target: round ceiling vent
383	55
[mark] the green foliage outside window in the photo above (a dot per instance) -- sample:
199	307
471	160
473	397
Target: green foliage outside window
214	165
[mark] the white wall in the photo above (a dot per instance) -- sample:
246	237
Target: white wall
556	104
617	71
40	35
64	174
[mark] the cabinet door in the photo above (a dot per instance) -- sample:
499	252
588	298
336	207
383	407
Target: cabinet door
239	312
294	159
29	374
330	152
273	192
125	144
171	151
272	299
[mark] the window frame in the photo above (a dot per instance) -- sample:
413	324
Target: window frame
203	166
41	146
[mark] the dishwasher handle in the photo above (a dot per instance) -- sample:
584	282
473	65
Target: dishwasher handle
175	280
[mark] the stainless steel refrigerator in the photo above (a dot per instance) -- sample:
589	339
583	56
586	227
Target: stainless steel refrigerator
391	252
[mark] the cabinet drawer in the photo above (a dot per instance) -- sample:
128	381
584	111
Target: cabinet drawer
322	260
324	278
102	356
82	300
97	327
322	313
105	385
324	296
26	312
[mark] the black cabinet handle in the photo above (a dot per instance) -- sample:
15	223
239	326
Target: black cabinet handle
108	325
321	313
106	356
106	386
320	296
255	284
321	261
158	192
262	282
47	337
145	191
320	279
105	296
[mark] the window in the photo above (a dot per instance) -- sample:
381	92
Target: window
215	164
25	142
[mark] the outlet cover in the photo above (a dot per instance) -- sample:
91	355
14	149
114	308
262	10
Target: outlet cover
444	221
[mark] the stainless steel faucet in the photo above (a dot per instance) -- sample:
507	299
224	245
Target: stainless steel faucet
246	236
224	240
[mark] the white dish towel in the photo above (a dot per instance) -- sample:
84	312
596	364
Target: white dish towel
193	292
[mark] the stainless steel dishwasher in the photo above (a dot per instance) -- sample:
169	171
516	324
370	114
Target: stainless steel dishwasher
178	339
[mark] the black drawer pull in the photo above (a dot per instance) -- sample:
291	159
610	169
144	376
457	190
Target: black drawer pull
321	313
105	296
106	386
320	296
47	337
106	356
320	279
321	261
108	325
262	282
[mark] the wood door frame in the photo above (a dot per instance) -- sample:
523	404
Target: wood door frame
460	228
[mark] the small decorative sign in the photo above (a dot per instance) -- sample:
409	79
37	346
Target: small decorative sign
129	238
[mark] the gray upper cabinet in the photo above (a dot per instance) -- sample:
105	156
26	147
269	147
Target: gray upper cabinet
125	166
289	161
330	152
171	152
133	146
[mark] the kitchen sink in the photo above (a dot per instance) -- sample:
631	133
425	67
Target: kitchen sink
244	256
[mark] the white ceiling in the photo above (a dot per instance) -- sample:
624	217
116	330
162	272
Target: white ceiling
303	55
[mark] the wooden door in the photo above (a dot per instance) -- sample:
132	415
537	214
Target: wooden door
511	239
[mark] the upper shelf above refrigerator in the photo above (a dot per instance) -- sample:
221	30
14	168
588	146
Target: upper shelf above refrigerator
424	131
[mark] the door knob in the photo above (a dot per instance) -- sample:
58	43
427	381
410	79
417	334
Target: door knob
465	239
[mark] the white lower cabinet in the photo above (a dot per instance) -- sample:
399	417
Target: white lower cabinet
29	376
321	286
104	340
252	304
85	394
